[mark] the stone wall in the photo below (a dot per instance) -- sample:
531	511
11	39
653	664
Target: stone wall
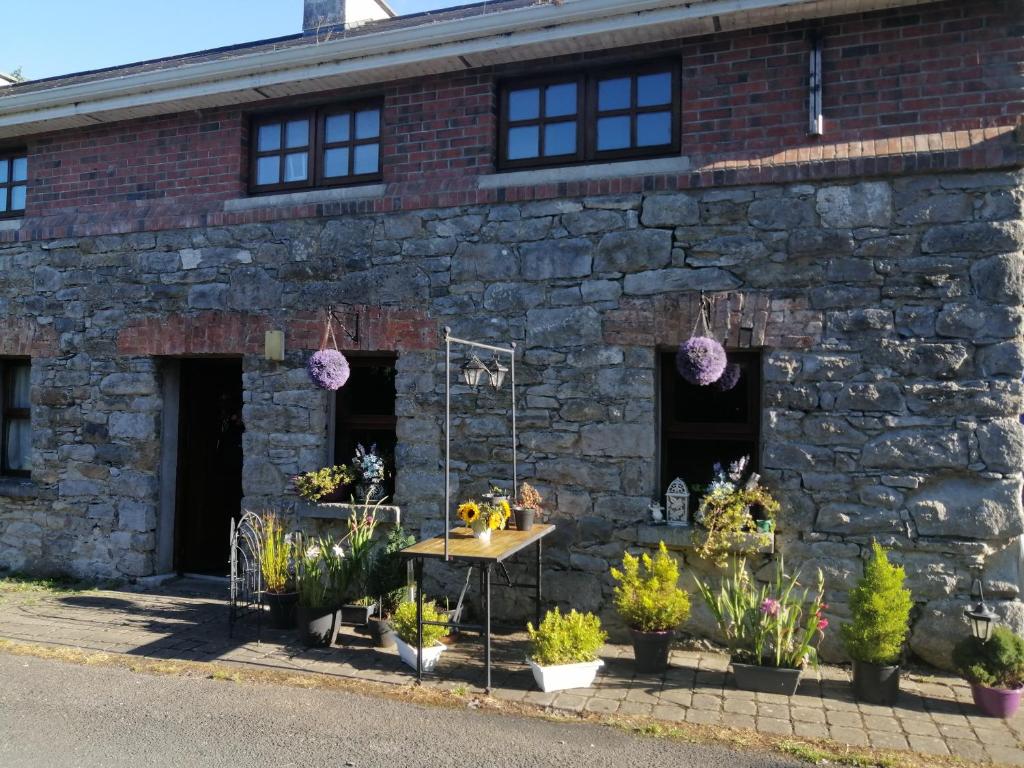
889	313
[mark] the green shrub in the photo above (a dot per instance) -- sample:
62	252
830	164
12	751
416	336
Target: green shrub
995	663
881	612
320	483
566	639
648	596
404	622
275	554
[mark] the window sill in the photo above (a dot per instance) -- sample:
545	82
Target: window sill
8	225
384	513
18	488
309	197
591	171
680	537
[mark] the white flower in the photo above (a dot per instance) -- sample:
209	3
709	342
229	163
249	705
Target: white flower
289	538
313	552
338	551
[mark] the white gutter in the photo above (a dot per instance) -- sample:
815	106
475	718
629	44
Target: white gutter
367	52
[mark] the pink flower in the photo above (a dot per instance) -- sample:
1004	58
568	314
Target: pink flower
823	625
770	607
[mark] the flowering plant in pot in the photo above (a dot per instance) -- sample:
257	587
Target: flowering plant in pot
563	650
355	602
527	507
325	484
483	519
404	622
881	621
314	561
772	630
995	670
724	516
386	579
370	473
652	604
275	566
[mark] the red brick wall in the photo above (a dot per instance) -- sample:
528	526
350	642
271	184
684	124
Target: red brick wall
937	86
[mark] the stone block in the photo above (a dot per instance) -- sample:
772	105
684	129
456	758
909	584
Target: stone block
781	213
670	210
1001	444
563	327
974	237
633	251
917	449
556	258
868	204
968	508
132	426
678	279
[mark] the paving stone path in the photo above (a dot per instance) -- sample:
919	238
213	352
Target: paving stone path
187	620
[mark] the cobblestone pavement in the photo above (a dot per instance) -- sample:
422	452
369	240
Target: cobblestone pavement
187	620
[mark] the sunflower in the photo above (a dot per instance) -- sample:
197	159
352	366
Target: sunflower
506	510
468	512
495	522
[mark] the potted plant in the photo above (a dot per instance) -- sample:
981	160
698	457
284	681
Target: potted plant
484	518
404	622
275	562
563	650
357	606
725	516
370	474
995	670
527	508
326	484
881	621
387	578
316	608
651	602
772	630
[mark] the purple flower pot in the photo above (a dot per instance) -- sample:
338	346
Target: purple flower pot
997	702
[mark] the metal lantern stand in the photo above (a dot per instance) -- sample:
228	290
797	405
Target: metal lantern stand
504	543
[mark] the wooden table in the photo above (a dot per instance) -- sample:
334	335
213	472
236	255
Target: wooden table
462	545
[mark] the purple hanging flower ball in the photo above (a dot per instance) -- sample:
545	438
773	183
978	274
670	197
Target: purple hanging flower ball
730	378
328	369
700	360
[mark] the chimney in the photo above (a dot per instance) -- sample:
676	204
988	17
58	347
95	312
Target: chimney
326	15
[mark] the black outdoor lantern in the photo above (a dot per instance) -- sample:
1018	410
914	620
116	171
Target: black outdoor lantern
982	617
473	370
496	373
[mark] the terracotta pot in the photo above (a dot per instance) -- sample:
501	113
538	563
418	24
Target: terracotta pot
650	649
997	702
876	683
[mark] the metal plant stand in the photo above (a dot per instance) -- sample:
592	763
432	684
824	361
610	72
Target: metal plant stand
246	577
459	544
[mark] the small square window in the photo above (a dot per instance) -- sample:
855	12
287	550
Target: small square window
13	184
523	142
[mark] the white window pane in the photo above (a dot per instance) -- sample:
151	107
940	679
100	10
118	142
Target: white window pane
613	94
19	444
654	129
19	171
337	127
4	164
21	376
336	162
560	100
654	89
365	158
613	133
18	198
524	104
368	124
523	142
297	134
269	137
3	199
560	139
268	170
296	166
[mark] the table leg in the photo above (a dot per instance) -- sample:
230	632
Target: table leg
418	567
487	625
538	596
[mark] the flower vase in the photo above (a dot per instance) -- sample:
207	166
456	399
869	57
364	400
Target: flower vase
483	535
369	492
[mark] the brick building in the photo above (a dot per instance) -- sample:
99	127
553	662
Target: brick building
569	176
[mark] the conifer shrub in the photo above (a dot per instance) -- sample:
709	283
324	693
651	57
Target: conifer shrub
648	595
995	663
881	612
568	638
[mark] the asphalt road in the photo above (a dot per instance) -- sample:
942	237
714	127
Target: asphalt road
54	715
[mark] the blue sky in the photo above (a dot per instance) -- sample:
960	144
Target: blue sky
61	36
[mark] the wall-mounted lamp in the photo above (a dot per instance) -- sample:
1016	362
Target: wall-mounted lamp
273	346
982	617
473	371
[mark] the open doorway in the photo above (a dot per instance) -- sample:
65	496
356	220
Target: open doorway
209	463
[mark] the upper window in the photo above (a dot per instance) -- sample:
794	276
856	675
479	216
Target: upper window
315	147
15	420
598	116
13	184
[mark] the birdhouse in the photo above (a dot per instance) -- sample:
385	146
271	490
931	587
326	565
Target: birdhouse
677	503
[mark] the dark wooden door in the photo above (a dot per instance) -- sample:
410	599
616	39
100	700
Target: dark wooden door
209	463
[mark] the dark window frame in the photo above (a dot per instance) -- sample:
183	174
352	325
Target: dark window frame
365	421
8	157
317	146
9	413
587	114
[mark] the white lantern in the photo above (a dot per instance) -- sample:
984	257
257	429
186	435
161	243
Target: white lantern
677	503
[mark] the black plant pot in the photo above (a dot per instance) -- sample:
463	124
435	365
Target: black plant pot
524	518
754	677
650	649
876	683
356	615
282	608
317	626
382	632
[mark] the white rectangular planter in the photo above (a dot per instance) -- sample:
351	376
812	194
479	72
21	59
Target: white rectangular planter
564	676
430	655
